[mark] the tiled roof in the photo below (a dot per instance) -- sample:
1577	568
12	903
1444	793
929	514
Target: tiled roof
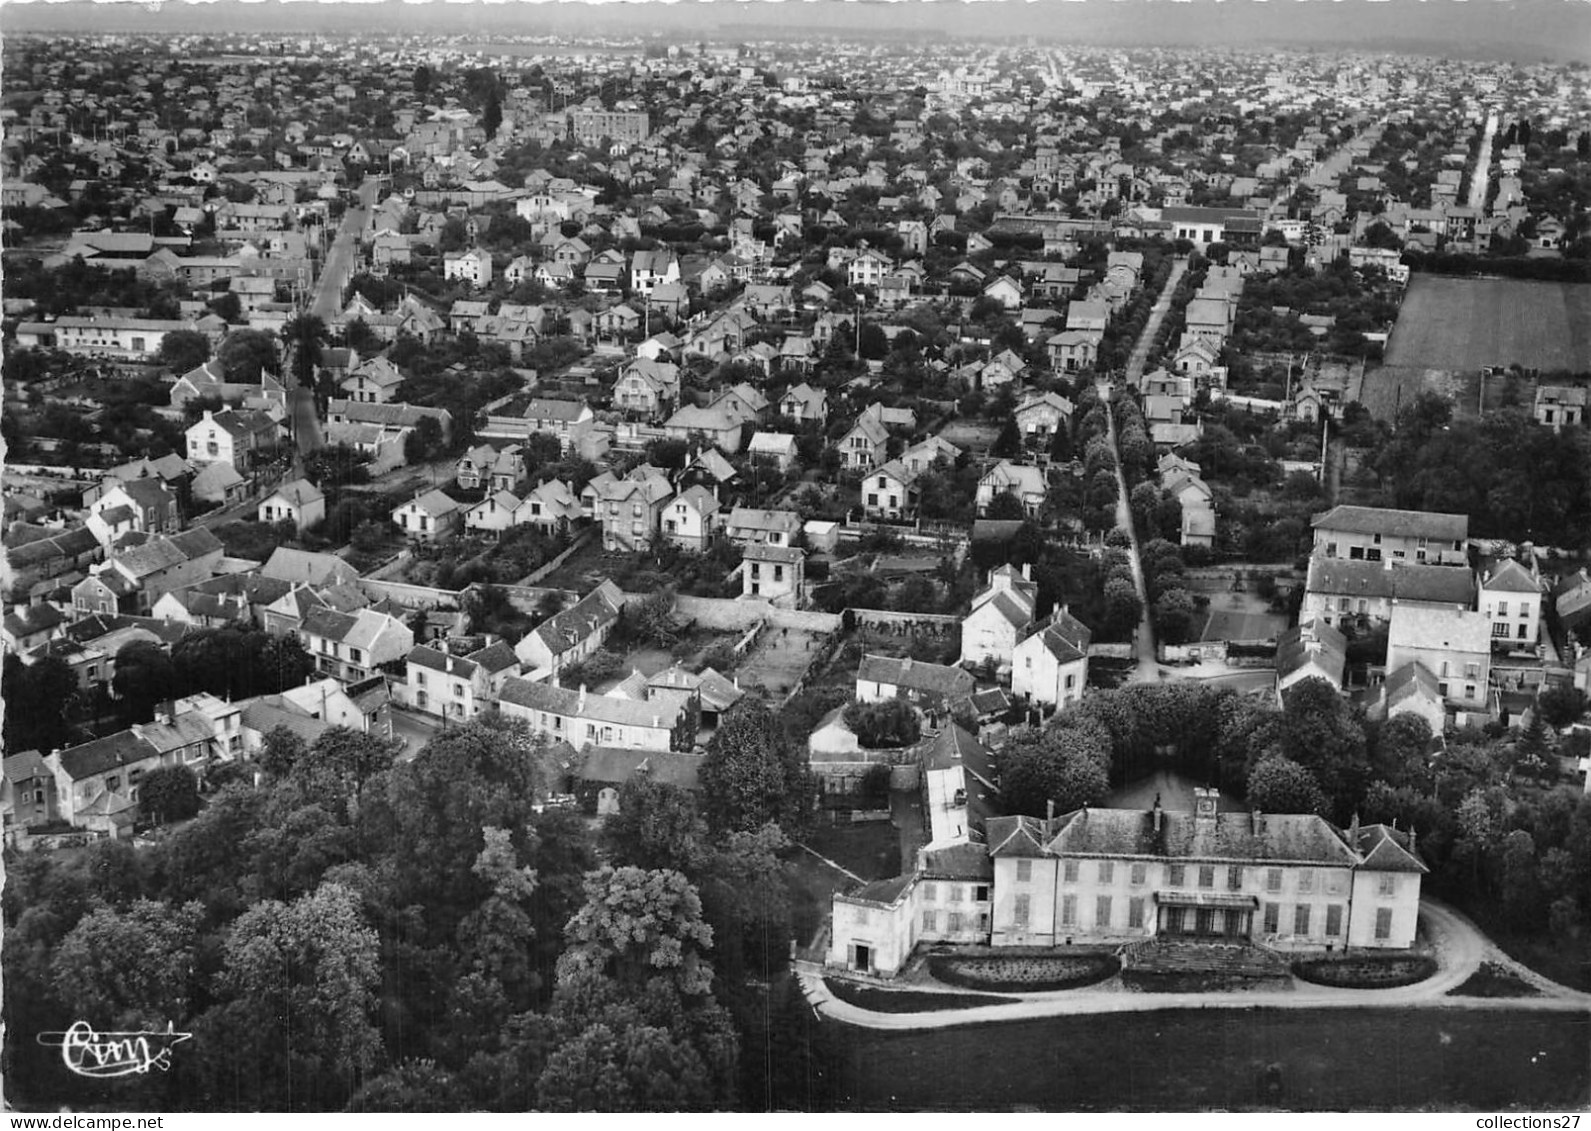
616	765
533	696
1289	837
915	674
1388	850
1394	523
567	629
104	754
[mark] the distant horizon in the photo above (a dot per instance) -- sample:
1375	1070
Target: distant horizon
1525	31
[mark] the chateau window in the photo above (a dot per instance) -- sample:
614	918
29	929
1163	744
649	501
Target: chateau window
1306	881
1135	913
1107	871
1383	923
1140	874
1102	911
1234	878
1071	871
1272	919
1387	884
1068	911
1333	920
930	920
1206	875
1301	919
1024	871
930	893
955	920
1175	875
1273	879
1020	912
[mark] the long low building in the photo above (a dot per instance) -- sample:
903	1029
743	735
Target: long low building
1294	882
582	719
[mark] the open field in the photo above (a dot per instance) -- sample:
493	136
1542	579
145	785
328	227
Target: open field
1464	324
1188	1060
778	659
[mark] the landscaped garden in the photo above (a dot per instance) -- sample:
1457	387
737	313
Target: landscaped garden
1366	972
1028	973
1492	980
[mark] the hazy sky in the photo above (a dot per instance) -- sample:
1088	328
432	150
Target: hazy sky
1522	29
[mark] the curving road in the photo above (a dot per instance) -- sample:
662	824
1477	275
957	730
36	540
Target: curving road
1458	946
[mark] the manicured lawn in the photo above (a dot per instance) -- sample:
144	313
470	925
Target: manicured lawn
908	1001
1327	1060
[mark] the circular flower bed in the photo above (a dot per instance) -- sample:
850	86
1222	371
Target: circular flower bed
1023	973
1366	972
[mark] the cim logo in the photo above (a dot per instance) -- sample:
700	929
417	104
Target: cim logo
105	1055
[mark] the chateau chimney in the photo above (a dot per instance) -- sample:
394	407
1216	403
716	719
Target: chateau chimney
1412	842
1256	822
1049	816
1027	571
1156	813
1353	831
582	704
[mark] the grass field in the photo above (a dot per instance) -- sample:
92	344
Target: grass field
1295	1060
1464	324
1241	616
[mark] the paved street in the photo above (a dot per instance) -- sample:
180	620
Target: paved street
1457	944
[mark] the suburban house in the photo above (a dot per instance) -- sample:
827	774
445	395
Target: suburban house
1560	406
691	520
779	448
473	266
773	574
551	506
629	510
1311	650
493	514
29	793
805	404
372	382
889	491
650	388
298	501
1454	645
429	517
239	438
142	505
584	719
571	635
1373	533
1073	350
1023	481
1412	689
96	783
1039	418
1049	665
1510	596
1107	876
352	647
1338	591
932	688
747	526
448	686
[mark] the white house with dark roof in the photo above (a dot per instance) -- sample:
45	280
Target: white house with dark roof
353	647
428	517
1023	481
1049	665
1510	596
1337	591
1041	416
298	501
447	686
1376	533
551	507
571	635
372	382
583	719
691	519
1412	689
930	687
748	526
773	574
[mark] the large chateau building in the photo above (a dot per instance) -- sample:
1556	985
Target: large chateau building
1290	881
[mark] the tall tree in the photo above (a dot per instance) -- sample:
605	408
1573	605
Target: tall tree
752	775
245	354
184	350
131	969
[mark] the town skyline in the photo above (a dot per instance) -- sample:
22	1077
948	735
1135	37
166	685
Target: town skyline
1522	30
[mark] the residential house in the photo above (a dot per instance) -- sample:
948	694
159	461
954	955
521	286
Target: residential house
1049	665
1072	351
805	404
583	719
1043	416
1000	612
493	514
1454	645
298	501
96	782
773	574
1311	650
650	388
28	796
747	526
372	382
1023	481
450	687
629	510
692	519
1561	406
1338	591
429	517
570	636
304	567
1372	533
144	506
473	266
240	439
1510	597
352	647
552	506
932	688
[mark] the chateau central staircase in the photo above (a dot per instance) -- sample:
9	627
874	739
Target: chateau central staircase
1176	964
